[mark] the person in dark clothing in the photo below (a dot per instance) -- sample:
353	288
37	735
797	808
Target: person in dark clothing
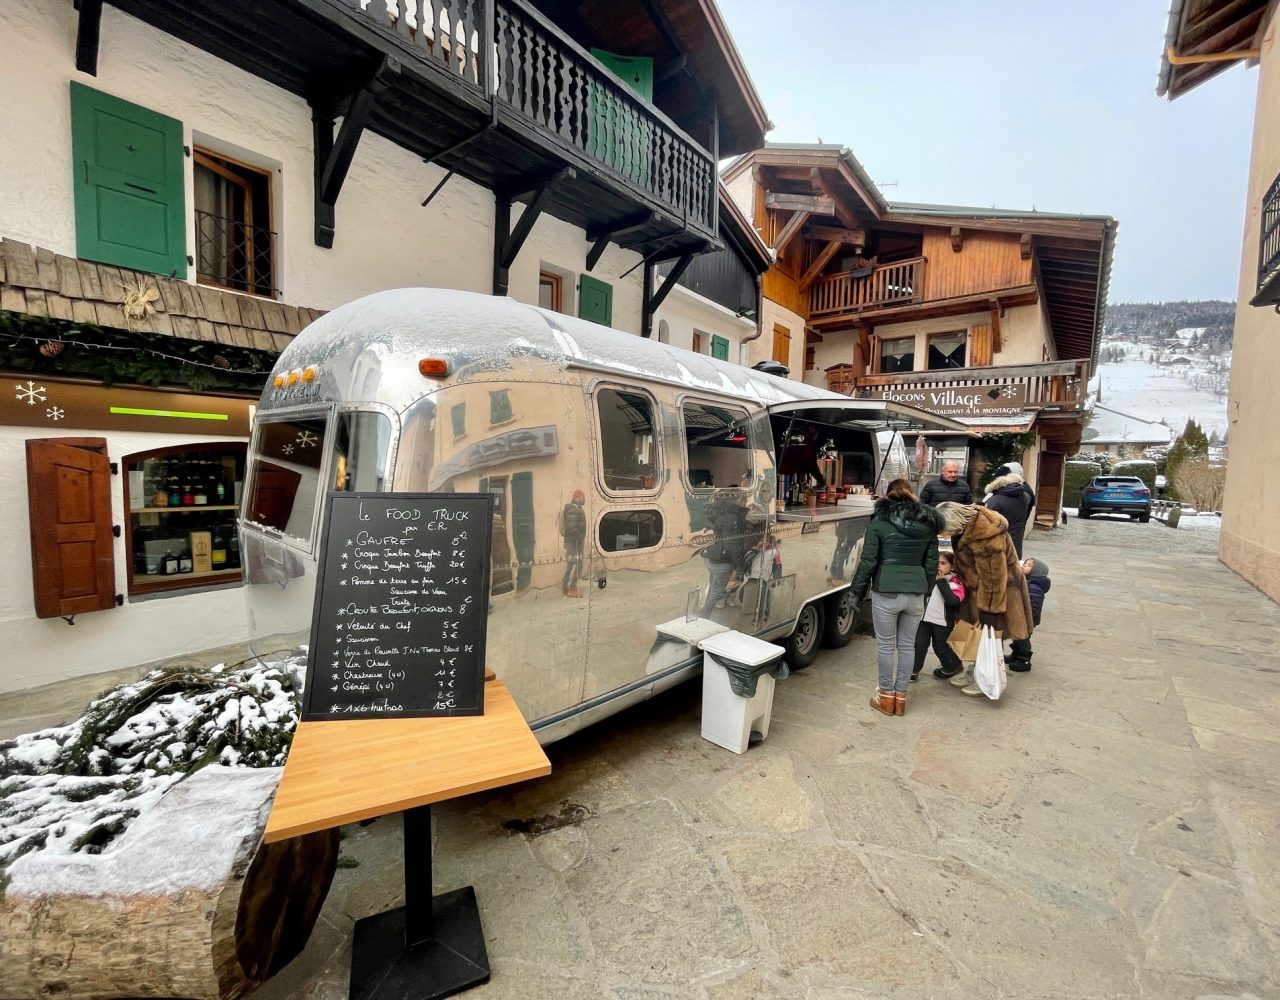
900	563
573	528
726	551
1009	496
948	486
1038	583
939	619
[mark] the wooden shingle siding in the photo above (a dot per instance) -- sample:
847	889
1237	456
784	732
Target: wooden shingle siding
38	282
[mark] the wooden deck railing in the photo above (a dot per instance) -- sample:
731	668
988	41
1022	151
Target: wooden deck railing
551	84
1059	384
900	282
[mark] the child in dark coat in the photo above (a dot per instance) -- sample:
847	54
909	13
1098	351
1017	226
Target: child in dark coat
939	619
1038	583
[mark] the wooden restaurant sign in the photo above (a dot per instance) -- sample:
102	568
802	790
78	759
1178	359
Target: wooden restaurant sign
960	401
42	402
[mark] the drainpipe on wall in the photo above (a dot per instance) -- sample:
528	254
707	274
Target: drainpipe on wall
759	318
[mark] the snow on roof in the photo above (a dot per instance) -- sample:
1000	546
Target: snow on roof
1107	426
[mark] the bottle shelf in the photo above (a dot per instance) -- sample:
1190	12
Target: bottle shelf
170	577
183	509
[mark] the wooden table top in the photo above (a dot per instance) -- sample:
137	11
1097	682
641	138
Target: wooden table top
341	772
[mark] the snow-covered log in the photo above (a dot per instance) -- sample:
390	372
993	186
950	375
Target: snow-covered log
186	902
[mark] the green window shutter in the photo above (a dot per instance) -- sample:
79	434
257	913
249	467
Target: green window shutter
615	137
595	300
459	415
720	348
522	521
635	71
129	171
499	406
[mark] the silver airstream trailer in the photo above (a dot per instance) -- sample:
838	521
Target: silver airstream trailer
641	491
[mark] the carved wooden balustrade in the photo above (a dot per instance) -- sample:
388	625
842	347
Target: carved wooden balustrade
549	84
1053	384
888	284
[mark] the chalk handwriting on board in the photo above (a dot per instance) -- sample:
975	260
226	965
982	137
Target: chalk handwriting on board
401	607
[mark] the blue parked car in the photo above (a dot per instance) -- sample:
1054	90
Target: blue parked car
1116	495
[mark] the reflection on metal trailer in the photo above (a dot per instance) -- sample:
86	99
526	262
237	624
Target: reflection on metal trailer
639	485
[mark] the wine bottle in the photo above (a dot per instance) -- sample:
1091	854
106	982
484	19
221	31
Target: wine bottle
218	553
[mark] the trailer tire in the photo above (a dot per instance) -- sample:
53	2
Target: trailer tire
842	616
802	644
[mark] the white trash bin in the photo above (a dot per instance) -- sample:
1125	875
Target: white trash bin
729	660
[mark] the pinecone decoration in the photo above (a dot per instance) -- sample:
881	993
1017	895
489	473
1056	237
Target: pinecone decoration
51	348
219	361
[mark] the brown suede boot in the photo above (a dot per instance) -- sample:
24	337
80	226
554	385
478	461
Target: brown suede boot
883	701
899	703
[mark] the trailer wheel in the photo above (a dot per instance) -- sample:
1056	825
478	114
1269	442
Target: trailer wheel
842	615
802	644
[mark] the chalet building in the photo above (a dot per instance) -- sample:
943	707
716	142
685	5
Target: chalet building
189	184
1204	38
1114	432
991	317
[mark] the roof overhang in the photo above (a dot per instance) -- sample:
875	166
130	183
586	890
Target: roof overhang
839	174
868	414
1205	37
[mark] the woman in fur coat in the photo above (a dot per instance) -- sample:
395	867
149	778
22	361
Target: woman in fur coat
987	561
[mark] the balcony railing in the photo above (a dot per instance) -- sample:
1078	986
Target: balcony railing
888	284
1269	248
552	85
1054	384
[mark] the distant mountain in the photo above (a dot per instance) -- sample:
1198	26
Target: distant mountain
1157	322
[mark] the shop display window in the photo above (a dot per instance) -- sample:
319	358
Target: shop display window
182	504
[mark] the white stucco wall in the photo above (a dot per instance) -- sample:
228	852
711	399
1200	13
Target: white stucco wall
742	190
685	311
761	348
1250	539
384	239
42	651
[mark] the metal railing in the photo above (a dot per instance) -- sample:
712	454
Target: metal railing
888	284
1057	384
234	255
1269	238
552	84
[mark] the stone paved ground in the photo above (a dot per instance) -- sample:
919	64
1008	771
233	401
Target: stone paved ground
1108	830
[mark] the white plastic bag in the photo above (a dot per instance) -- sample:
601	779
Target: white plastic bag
988	669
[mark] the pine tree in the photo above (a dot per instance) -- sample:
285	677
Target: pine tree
1190	445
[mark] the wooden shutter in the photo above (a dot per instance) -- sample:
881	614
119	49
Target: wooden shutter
72	548
720	348
595	300
980	345
782	345
128	182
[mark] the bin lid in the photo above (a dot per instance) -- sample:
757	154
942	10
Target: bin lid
741	648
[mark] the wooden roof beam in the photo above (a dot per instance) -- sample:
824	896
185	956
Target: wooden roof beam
843	212
800	203
1024	246
790	231
957	239
815	269
853	237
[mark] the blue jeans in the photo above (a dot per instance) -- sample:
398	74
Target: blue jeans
718	586
896	617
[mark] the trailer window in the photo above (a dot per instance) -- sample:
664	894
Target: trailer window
623	530
718	446
628	440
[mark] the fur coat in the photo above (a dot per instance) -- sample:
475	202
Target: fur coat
989	566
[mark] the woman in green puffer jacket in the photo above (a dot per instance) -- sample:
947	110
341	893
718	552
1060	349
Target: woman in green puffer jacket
900	562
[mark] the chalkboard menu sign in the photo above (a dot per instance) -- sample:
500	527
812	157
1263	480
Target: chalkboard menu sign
402	600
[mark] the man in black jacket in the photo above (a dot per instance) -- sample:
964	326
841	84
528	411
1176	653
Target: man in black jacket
949	487
1010	496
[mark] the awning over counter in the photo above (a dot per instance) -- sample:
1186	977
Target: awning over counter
868	414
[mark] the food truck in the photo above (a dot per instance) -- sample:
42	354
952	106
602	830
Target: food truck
638	489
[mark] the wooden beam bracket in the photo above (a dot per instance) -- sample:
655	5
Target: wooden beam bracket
957	239
600	238
790	231
815	269
87	33
333	156
507	241
842	211
800	203
1024	246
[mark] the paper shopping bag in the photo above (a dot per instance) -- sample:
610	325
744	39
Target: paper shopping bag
964	640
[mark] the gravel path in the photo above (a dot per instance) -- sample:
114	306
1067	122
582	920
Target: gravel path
1195	534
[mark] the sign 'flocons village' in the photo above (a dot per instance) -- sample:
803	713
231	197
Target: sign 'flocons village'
966	401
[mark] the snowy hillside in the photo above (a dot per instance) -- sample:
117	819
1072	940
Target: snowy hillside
1188	384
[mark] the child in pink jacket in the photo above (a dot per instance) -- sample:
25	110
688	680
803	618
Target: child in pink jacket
939	619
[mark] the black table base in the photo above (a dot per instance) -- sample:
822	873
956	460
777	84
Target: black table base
428	948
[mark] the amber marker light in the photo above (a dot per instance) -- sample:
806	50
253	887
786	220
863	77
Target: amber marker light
309	373
279	383
433	367
293	377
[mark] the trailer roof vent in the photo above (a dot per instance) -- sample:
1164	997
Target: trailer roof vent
772	367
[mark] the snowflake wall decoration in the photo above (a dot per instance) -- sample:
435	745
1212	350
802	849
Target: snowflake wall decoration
287	449
30	393
55	413
1009	392
306	439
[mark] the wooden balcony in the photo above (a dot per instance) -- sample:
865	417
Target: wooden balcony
899	283
490	89
1053	385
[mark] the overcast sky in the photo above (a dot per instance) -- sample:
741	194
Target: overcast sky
1020	104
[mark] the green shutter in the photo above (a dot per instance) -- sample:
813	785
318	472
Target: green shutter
635	71
459	415
128	184
720	348
595	300
616	137
499	406
522	522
